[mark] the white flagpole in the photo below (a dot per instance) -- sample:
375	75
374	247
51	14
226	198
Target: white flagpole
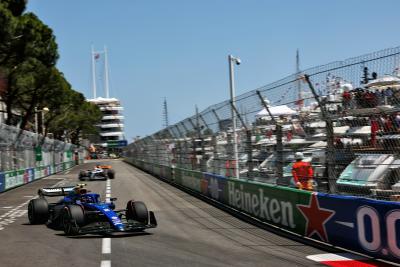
93	73
106	73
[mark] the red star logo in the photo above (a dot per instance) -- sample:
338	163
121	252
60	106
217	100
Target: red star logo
316	218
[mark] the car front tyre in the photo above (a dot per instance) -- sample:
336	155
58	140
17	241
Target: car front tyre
111	174
73	217
137	211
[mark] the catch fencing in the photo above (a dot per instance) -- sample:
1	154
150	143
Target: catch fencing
344	117
26	156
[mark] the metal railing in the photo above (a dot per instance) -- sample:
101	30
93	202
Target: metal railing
23	149
344	117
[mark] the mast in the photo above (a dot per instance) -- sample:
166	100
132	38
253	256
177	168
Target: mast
94	73
197	122
106	82
300	101
165	113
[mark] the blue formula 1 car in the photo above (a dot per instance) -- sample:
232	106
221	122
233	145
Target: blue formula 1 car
80	212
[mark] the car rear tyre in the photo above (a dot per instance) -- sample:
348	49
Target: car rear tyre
38	211
73	218
137	210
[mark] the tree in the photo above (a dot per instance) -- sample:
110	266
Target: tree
77	119
29	79
7	33
16	7
30	54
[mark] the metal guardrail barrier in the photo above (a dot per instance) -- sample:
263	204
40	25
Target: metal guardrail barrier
344	118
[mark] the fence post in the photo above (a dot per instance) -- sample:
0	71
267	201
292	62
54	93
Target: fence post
249	148
330	158
215	154
279	143
179	131
218	119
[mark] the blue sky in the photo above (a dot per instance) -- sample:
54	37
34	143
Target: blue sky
178	48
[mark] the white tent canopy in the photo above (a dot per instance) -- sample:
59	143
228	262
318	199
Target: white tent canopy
277	111
384	81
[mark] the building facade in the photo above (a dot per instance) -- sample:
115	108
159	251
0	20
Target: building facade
111	127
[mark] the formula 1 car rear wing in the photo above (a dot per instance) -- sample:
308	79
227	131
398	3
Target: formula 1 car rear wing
56	191
105	166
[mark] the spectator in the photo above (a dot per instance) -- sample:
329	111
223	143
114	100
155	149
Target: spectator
358	95
388	124
269	133
382	123
374	130
289	135
370	99
339	144
347	97
397	121
388	96
379	97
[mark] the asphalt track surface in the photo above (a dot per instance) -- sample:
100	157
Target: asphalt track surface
190	232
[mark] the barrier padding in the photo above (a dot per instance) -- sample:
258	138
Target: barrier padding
14	178
364	225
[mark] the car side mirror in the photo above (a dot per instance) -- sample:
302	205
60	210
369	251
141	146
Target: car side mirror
113	199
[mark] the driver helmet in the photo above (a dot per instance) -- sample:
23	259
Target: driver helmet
298	156
80	190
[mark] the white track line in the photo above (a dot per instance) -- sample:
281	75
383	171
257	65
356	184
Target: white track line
106	246
12	215
106	242
105	264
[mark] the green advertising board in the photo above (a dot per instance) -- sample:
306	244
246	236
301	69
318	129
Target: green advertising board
117	143
38	153
269	203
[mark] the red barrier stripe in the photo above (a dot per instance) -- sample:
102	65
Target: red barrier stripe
354	263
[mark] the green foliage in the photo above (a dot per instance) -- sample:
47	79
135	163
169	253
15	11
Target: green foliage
7	30
78	121
16	7
36	40
28	56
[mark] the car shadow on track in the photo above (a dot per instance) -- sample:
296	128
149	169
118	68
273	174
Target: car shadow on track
94	236
117	235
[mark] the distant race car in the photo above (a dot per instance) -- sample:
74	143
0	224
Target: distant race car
105	167
100	172
80	212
